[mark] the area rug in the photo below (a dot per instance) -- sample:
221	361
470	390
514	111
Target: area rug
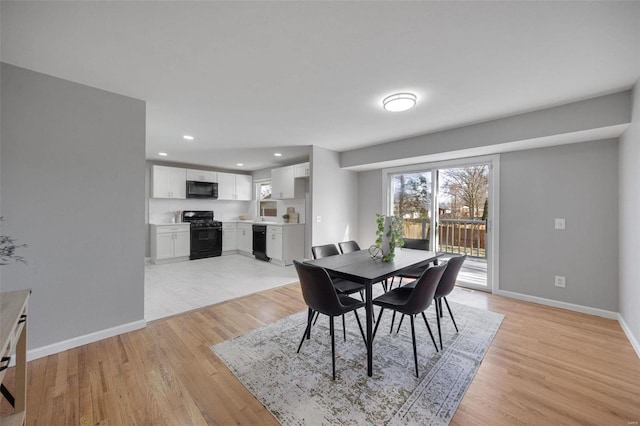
297	388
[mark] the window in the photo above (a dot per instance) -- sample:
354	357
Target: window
267	206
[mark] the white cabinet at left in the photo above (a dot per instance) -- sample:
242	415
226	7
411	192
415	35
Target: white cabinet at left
170	243
169	182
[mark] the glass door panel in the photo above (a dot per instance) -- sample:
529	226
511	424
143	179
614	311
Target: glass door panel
463	200
412	199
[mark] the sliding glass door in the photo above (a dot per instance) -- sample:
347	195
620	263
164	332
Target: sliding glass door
449	204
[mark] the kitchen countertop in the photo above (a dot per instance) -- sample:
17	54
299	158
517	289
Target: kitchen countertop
258	222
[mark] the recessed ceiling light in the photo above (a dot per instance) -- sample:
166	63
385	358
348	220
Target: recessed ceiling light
162	154
240	164
187	137
399	102
277	154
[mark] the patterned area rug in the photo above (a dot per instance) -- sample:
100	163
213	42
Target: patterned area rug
298	388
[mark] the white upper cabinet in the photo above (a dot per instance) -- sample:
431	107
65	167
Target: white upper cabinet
244	187
169	182
202	175
283	183
302	170
234	187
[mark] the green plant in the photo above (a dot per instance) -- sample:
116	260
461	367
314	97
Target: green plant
393	236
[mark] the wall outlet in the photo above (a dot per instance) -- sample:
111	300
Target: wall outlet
318	219
560	281
560	223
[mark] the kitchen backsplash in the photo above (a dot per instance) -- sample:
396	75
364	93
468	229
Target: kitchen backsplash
162	210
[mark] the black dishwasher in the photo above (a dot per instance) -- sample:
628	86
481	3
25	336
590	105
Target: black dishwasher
260	242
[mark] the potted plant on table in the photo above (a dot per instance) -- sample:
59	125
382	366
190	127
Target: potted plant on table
388	235
285	218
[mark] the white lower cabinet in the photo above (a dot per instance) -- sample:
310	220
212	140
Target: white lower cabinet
274	243
170	243
245	238
285	243
229	237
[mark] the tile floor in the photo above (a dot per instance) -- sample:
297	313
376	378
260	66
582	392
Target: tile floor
173	288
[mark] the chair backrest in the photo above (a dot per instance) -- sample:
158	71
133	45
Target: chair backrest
348	246
448	280
323	251
317	289
424	290
416	243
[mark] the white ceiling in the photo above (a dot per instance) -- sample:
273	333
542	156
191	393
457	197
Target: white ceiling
249	78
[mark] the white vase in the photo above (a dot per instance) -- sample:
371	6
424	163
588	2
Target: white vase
385	240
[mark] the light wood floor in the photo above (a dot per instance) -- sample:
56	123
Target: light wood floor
546	366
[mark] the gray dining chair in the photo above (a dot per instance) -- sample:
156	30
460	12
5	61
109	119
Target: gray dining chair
321	297
348	246
342	286
411	302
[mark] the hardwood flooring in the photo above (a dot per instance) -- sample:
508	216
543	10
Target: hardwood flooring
546	366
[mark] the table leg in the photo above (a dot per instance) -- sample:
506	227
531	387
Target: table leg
369	310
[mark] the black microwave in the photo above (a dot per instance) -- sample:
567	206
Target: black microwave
203	190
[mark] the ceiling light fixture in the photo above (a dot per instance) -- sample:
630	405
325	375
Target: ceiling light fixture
240	164
277	154
187	137
162	154
399	102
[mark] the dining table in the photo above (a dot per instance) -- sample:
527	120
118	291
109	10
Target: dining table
361	267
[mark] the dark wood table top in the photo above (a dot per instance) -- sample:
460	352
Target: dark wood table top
360	267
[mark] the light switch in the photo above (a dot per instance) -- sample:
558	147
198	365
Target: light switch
560	223
318	219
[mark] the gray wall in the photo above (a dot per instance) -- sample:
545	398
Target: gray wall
72	174
577	182
370	202
334	197
629	158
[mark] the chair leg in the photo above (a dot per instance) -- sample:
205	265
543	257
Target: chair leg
393	319
373	336
344	329
333	347
451	314
430	333
307	330
438	321
360	327
415	351
317	315
385	285
440	307
401	319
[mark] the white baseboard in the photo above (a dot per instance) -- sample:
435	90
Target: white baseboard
577	308
558	304
83	340
630	336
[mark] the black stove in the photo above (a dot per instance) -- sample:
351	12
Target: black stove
206	233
